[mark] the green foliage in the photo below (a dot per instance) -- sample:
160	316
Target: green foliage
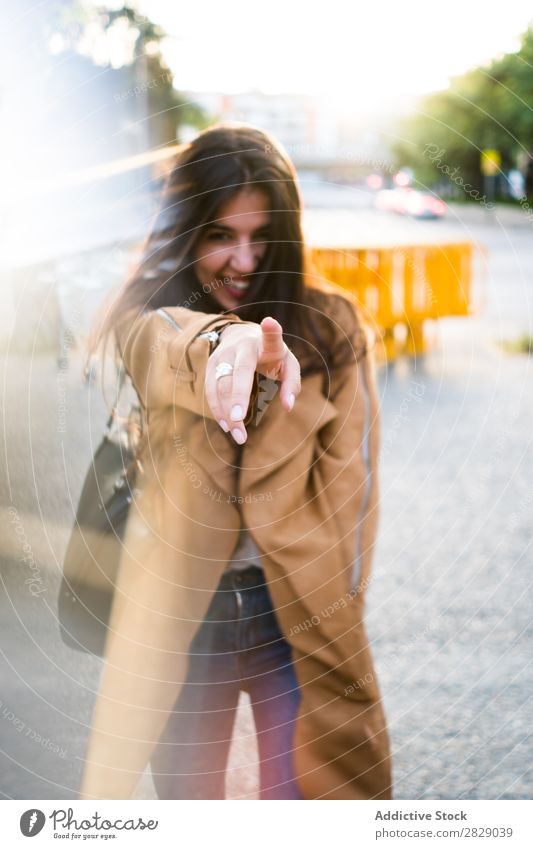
488	107
522	345
166	108
146	72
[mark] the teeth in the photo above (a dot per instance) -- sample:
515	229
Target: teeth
239	285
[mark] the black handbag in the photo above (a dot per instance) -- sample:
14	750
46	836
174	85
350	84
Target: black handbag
91	562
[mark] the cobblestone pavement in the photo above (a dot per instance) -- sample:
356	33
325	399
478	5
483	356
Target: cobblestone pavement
447	612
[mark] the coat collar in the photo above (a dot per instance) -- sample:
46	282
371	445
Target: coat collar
272	440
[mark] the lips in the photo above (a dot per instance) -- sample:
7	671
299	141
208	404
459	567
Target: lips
237	288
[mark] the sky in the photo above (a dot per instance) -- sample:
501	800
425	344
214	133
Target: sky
368	53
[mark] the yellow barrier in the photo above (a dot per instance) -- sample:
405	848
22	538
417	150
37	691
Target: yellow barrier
400	287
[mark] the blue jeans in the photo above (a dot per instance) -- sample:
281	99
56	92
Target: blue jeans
239	646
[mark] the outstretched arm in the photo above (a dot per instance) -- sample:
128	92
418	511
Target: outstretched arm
171	357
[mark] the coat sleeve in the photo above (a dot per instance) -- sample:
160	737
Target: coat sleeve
165	352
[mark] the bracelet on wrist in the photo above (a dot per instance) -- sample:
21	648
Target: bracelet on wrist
214	335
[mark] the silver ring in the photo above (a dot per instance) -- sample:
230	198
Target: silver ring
223	369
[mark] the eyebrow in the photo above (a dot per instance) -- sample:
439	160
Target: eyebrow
227	229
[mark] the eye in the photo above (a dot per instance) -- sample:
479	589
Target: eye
218	236
261	237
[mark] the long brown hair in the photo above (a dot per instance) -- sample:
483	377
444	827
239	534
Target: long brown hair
217	164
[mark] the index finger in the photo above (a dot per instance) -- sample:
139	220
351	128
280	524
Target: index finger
272	344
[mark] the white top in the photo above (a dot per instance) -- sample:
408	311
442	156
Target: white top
245	552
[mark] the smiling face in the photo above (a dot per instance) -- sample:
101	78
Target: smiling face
230	249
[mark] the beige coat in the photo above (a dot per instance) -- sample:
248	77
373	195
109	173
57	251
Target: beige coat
308	492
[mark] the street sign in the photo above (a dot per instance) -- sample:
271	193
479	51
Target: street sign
490	162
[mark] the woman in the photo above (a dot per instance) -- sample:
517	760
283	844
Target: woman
248	551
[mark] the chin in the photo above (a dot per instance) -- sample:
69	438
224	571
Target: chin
228	304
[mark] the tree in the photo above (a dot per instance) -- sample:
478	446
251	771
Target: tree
152	79
125	40
488	107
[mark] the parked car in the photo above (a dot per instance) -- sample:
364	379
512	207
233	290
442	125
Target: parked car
409	201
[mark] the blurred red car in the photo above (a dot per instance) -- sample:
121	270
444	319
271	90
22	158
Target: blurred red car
410	201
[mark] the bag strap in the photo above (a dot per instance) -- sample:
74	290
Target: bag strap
115	418
121	382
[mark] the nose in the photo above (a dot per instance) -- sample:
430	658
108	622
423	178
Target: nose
244	258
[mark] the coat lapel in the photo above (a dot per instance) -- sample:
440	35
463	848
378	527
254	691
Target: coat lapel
281	434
